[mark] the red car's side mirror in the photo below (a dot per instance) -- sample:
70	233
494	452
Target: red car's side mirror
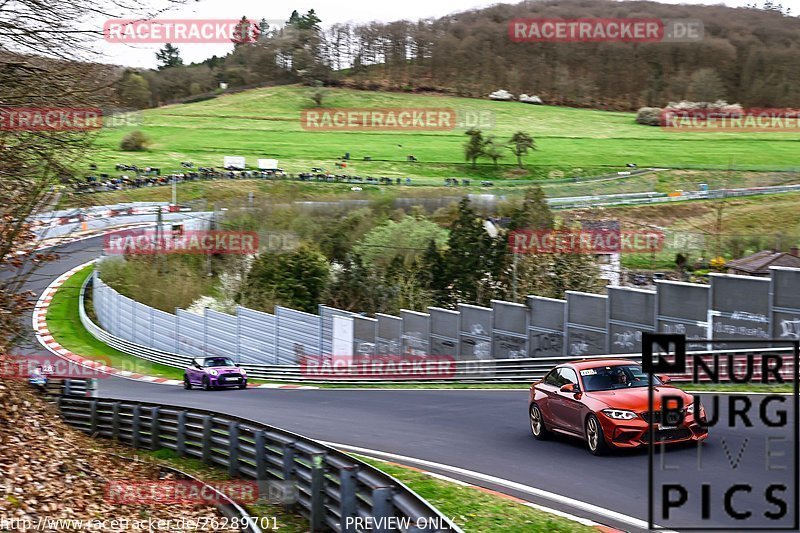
569	387
664	378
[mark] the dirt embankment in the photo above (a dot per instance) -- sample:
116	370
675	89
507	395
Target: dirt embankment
49	471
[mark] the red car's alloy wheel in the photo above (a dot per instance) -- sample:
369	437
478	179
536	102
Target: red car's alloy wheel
594	436
537	423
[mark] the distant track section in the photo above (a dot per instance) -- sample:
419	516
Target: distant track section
652	197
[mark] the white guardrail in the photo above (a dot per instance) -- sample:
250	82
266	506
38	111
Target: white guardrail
479	371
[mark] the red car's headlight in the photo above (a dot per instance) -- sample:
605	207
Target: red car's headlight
689	410
620	414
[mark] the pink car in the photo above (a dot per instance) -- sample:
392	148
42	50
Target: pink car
214	372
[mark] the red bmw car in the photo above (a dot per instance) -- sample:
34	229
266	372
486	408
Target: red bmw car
605	403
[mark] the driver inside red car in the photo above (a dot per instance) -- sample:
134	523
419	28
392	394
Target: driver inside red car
620	377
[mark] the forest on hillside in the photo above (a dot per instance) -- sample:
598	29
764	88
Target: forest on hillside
748	55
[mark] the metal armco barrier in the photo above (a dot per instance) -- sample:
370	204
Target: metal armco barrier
330	485
225	505
71	387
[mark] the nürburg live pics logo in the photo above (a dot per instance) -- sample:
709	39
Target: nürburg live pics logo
744	476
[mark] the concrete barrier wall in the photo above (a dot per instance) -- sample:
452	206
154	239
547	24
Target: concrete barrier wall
731	307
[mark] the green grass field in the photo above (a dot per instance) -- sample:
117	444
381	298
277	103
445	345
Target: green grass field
265	123
475	510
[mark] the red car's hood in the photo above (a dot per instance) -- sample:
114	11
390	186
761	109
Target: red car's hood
635	398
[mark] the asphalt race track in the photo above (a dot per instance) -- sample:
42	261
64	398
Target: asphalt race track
487	432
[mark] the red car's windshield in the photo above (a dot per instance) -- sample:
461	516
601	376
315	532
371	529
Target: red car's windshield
615	377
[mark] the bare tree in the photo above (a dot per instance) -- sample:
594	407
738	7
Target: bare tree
47	60
44	53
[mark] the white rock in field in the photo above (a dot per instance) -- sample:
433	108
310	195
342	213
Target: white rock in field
501	94
533	99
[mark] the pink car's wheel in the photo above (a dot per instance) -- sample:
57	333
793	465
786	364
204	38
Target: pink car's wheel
186	383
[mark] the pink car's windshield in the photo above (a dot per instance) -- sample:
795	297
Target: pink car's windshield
218	361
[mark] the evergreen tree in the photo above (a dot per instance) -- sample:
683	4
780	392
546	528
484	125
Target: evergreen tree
263	30
534	212
294	19
473	148
245	32
468	257
434	274
310	21
169	57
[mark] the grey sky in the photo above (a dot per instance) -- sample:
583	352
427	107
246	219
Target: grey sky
330	11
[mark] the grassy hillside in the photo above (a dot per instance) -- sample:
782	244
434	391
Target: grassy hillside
266	123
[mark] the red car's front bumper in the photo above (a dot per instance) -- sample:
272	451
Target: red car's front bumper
635	433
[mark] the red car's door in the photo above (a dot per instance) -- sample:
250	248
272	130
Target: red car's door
566	406
549	389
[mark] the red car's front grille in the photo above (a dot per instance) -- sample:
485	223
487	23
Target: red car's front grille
666	435
656	416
